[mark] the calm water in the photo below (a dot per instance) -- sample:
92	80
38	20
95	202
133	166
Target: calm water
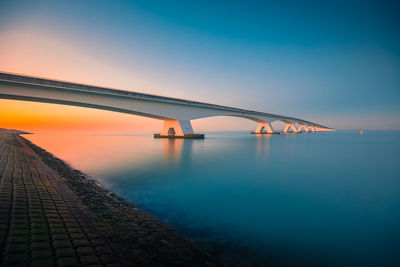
330	199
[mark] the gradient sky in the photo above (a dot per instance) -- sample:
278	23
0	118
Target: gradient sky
332	62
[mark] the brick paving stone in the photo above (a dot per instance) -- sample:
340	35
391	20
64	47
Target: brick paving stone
92	235
16	258
22	217
81	243
71	224
52	215
18	239
39	237
19	226
56	225
59	237
36	211
62	244
91	259
43	263
17	248
40	246
38	219
114	265
40	230
3	225
35	206
66	214
41	254
69	220
84	251
65	252
68	262
98	242
103	251
39	225
74	230
107	259
77	236
24	222
54	221
19	232
58	231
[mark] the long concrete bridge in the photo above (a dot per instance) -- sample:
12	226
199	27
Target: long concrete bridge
177	114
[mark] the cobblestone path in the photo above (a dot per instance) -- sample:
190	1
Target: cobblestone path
42	223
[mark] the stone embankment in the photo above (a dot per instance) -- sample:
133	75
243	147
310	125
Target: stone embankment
53	215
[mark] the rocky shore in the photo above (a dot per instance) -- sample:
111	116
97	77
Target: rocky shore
135	238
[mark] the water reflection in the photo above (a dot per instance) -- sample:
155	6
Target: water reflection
177	151
263	144
97	153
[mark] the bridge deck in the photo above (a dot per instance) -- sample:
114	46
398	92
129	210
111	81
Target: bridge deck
8	77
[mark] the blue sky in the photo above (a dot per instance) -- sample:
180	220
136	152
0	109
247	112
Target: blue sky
333	62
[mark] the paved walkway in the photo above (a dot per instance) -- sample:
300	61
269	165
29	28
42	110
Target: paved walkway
42	222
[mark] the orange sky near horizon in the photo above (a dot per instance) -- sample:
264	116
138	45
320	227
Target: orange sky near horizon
40	118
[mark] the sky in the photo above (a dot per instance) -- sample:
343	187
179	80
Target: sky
336	63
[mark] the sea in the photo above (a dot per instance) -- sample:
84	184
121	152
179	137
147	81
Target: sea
310	199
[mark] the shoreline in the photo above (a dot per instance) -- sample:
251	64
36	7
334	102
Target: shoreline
137	237
221	249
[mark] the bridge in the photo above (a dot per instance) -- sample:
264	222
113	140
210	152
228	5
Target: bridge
177	114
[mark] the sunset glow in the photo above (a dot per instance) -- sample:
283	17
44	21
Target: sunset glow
39	117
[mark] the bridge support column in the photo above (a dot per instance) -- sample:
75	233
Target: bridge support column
177	129
302	127
264	128
288	126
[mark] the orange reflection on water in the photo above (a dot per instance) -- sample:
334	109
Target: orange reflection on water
99	153
263	144
91	152
177	151
172	148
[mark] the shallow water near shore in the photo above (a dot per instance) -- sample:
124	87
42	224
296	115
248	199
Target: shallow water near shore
307	199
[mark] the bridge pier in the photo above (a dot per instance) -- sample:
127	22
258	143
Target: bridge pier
302	127
288	126
178	129
264	128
